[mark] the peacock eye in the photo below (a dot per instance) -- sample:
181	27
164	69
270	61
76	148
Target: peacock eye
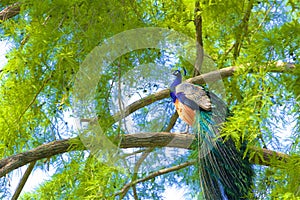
176	73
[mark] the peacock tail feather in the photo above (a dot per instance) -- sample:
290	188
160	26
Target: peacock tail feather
223	172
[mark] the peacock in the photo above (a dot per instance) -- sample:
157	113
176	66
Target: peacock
223	171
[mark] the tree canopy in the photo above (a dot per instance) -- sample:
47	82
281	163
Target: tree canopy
129	145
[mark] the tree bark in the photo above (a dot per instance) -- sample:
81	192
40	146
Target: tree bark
10	11
138	140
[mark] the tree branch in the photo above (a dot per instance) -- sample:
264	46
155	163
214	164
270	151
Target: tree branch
155	174
44	151
138	140
199	39
23	181
201	79
10	11
172	122
243	30
135	173
35	97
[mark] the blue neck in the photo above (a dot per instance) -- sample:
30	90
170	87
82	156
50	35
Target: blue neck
176	82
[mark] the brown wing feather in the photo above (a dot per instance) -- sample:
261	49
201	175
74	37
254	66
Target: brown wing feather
185	113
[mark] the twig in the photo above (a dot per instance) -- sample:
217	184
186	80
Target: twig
134	153
229	50
260	25
172	122
23	181
35	96
135	172
155	174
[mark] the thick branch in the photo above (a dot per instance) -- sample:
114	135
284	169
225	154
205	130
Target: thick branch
159	139
10	11
198	22
44	151
201	79
199	39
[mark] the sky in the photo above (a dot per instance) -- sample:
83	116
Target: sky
4	47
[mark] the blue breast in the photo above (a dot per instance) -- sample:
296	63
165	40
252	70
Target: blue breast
173	96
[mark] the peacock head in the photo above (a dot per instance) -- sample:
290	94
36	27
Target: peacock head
177	73
178	79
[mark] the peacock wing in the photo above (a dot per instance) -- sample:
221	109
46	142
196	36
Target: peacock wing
193	95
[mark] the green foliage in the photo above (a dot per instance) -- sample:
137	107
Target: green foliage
286	177
88	178
52	38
